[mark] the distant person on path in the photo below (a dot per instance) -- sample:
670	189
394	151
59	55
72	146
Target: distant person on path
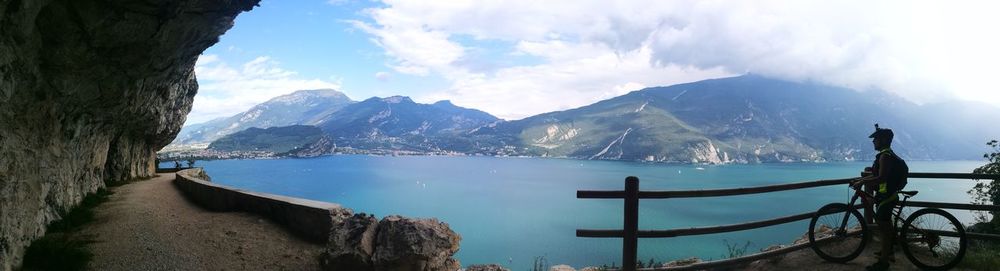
889	173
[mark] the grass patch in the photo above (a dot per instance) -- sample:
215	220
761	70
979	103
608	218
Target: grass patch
735	250
981	255
59	249
81	214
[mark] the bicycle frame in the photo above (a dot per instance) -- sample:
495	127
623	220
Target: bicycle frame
867	201
915	235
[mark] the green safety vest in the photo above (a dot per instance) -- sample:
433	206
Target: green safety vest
884	186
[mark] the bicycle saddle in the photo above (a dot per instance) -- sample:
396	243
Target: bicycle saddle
909	193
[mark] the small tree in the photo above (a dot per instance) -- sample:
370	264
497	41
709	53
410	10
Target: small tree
191	161
987	192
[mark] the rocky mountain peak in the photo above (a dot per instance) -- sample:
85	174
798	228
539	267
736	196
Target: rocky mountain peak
444	103
397	99
306	95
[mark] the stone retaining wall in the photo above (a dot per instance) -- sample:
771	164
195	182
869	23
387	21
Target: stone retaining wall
311	220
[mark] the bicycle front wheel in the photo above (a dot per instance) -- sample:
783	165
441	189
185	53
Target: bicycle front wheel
838	233
933	239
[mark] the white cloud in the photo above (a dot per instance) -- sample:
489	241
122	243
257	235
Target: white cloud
383	76
224	90
517	92
416	50
590	50
337	2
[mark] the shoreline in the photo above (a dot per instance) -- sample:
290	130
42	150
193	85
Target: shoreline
182	159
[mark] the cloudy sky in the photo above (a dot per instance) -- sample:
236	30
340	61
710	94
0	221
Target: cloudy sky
517	58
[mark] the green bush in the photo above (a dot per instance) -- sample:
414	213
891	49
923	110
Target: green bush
981	255
57	251
987	192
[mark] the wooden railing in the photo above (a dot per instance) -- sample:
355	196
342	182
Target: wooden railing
631	195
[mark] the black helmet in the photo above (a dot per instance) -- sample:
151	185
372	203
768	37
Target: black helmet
881	133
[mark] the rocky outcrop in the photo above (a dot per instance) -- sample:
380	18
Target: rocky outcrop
561	267
407	244
324	145
89	90
352	244
396	243
706	152
486	267
682	262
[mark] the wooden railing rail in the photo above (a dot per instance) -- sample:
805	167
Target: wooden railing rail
589	194
631	195
698	231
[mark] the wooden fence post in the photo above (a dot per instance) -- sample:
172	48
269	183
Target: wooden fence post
630	242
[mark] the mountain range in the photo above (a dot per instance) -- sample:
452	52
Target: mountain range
743	119
303	107
399	123
750	119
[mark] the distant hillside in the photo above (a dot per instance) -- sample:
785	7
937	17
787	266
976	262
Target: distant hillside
400	123
275	139
748	119
301	107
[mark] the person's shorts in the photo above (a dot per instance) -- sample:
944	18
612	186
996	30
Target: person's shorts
885	204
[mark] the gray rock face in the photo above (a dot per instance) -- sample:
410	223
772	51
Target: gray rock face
360	243
89	90
322	146
486	267
351	244
407	244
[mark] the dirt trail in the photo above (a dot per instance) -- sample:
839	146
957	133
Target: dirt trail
806	259
149	225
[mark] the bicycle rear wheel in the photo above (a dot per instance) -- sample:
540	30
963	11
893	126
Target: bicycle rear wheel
934	239
833	242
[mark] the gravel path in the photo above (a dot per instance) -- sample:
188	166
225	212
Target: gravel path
806	259
149	225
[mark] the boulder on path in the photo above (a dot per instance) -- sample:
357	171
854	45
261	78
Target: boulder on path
486	267
407	244
561	267
351	244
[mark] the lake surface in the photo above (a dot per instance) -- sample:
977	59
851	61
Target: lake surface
511	210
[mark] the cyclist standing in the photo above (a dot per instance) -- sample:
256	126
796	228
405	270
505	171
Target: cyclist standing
889	173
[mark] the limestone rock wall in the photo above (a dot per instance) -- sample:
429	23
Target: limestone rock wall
89	90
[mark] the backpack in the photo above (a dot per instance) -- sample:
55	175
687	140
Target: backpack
901	169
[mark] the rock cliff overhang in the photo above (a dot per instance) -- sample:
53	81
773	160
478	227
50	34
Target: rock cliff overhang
89	90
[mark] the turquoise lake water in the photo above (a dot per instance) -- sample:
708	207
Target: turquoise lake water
511	210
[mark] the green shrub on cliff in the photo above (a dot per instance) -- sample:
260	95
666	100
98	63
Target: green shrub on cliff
988	191
983	254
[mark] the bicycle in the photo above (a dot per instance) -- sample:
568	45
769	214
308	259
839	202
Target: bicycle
931	238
